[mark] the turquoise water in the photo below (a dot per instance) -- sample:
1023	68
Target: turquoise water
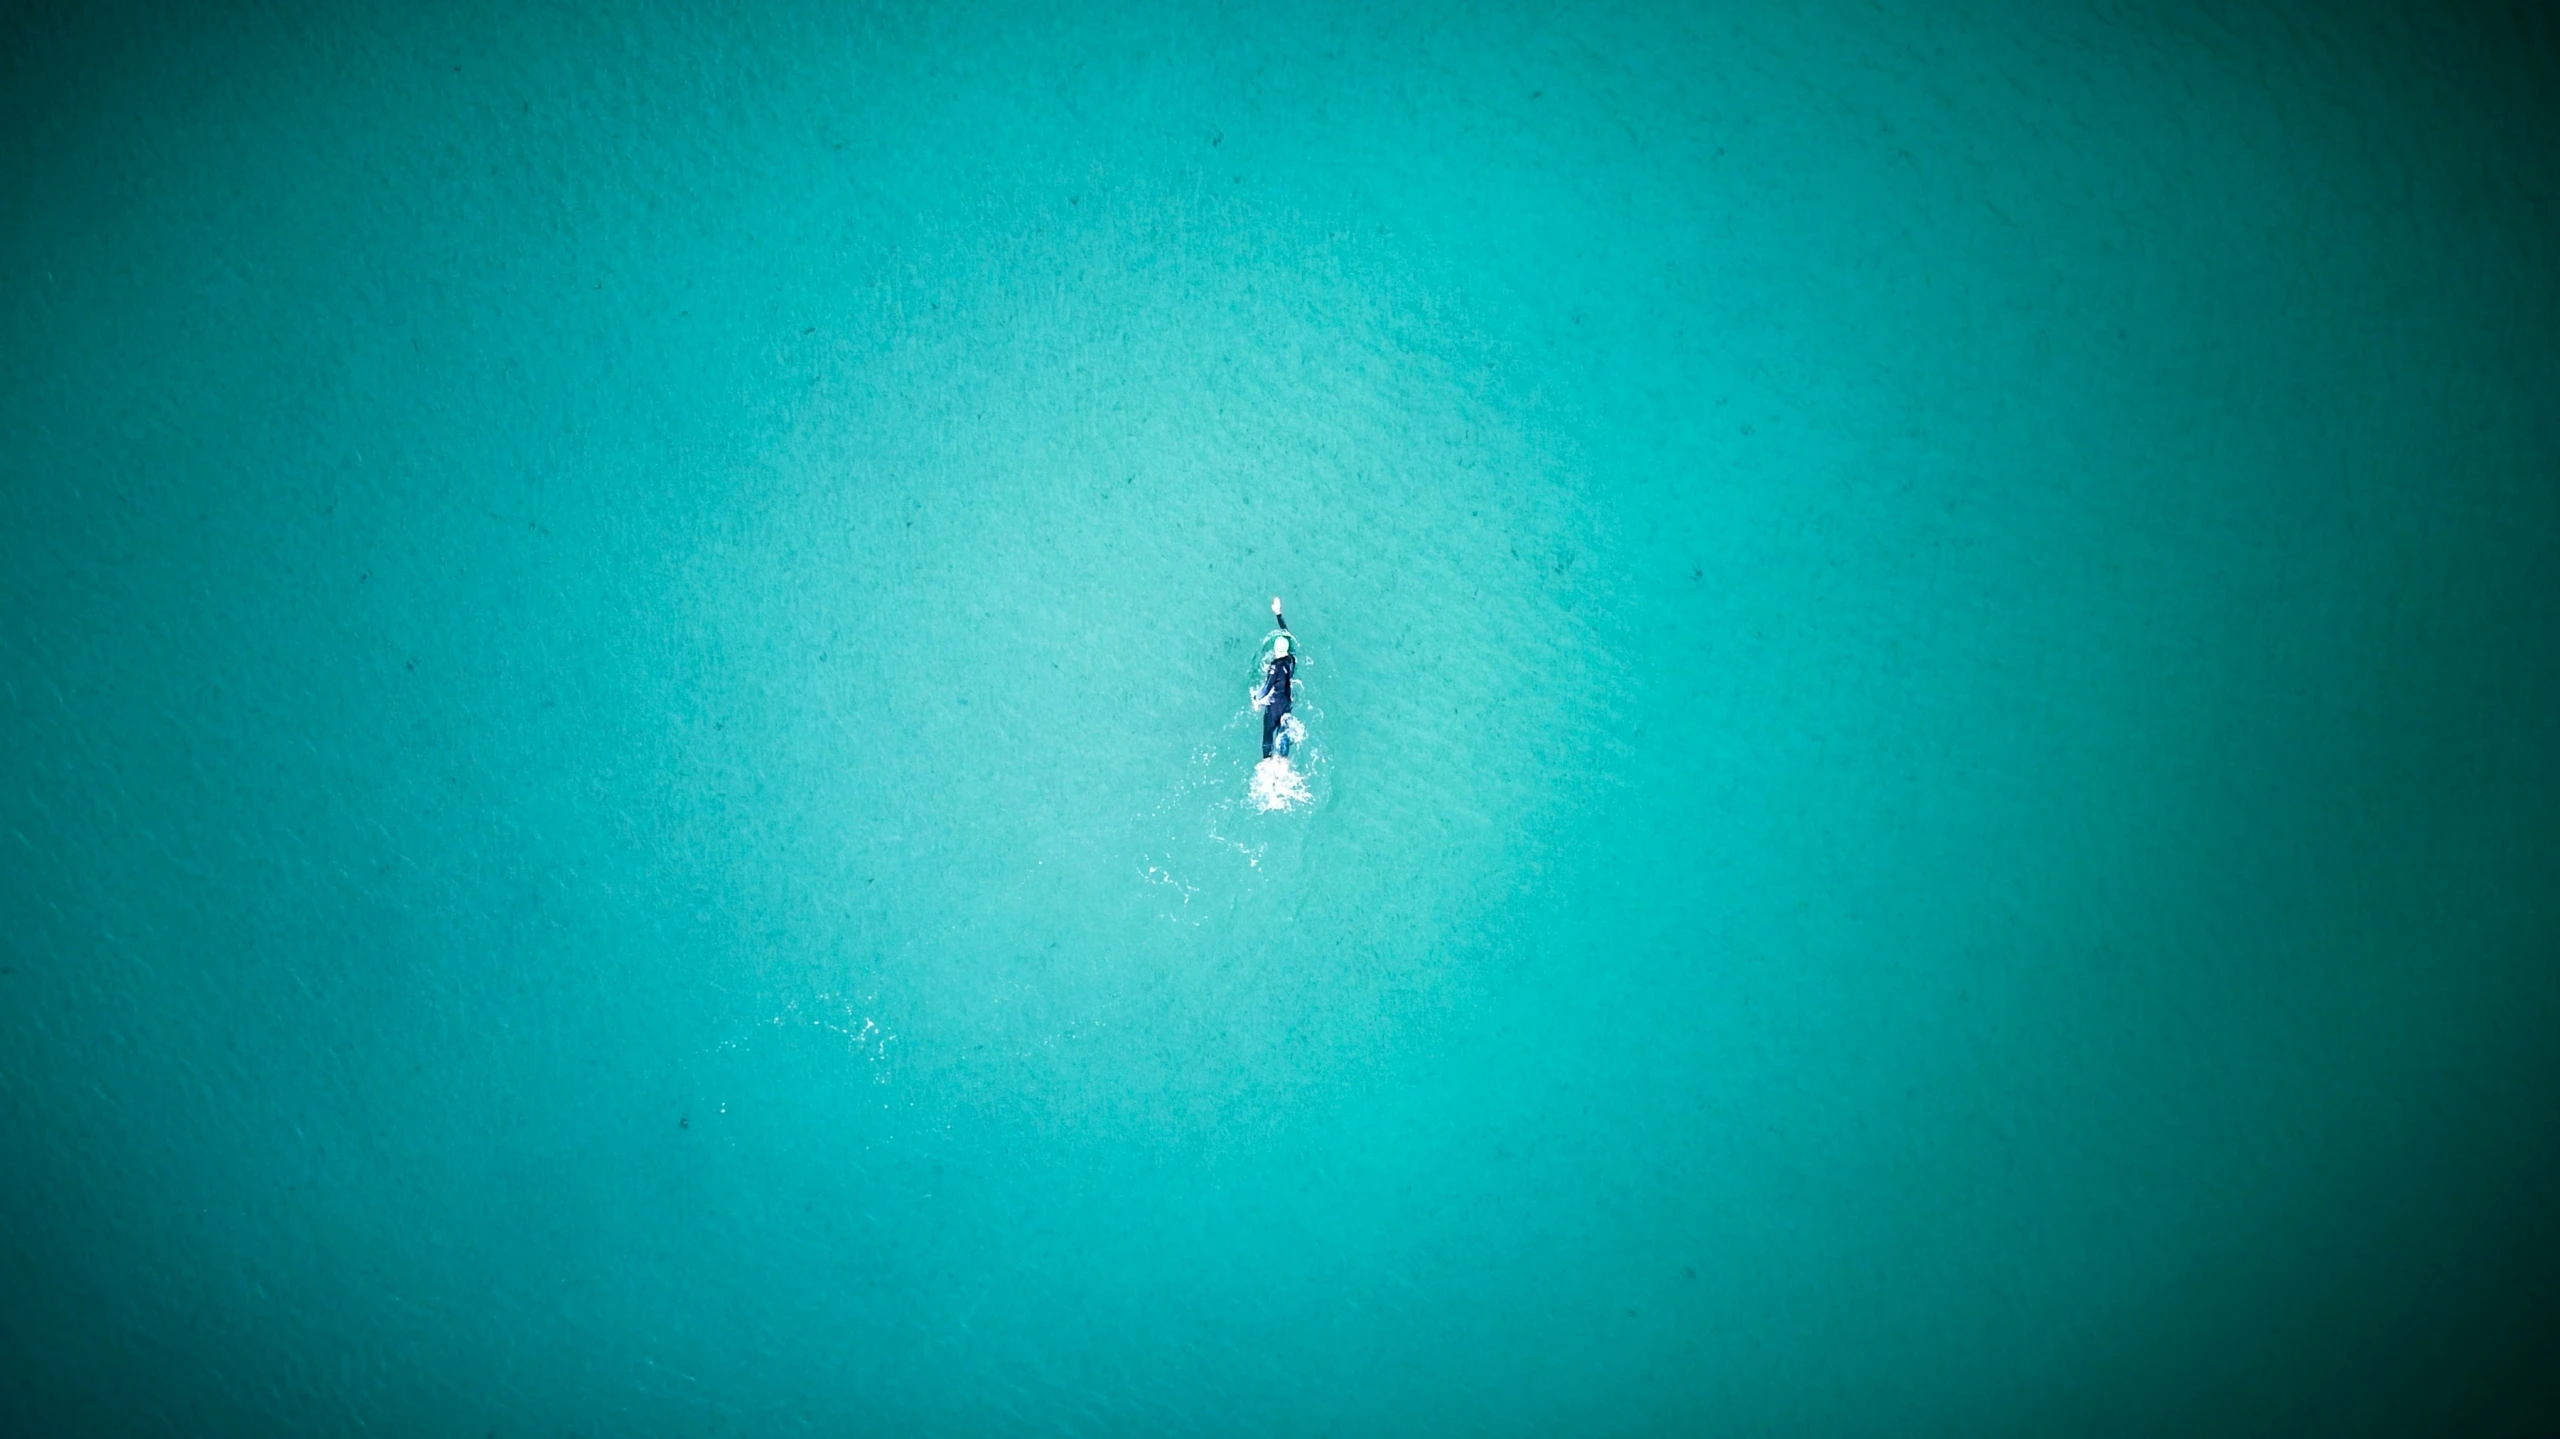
1932	675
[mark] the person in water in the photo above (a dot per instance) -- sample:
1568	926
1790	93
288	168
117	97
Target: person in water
1279	687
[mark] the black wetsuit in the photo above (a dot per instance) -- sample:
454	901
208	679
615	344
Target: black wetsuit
1279	681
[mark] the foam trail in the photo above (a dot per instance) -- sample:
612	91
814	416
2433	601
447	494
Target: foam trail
1276	785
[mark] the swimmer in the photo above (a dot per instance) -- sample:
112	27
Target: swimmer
1279	687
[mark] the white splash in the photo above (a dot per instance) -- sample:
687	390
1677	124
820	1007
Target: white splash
1277	786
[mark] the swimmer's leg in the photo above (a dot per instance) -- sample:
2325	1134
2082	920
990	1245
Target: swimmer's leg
1270	725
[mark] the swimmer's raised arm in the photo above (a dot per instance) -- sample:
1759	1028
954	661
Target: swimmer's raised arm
1275	612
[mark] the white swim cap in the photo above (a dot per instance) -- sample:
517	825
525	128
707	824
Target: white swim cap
1280	647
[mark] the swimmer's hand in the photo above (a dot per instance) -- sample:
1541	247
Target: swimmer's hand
1275	604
